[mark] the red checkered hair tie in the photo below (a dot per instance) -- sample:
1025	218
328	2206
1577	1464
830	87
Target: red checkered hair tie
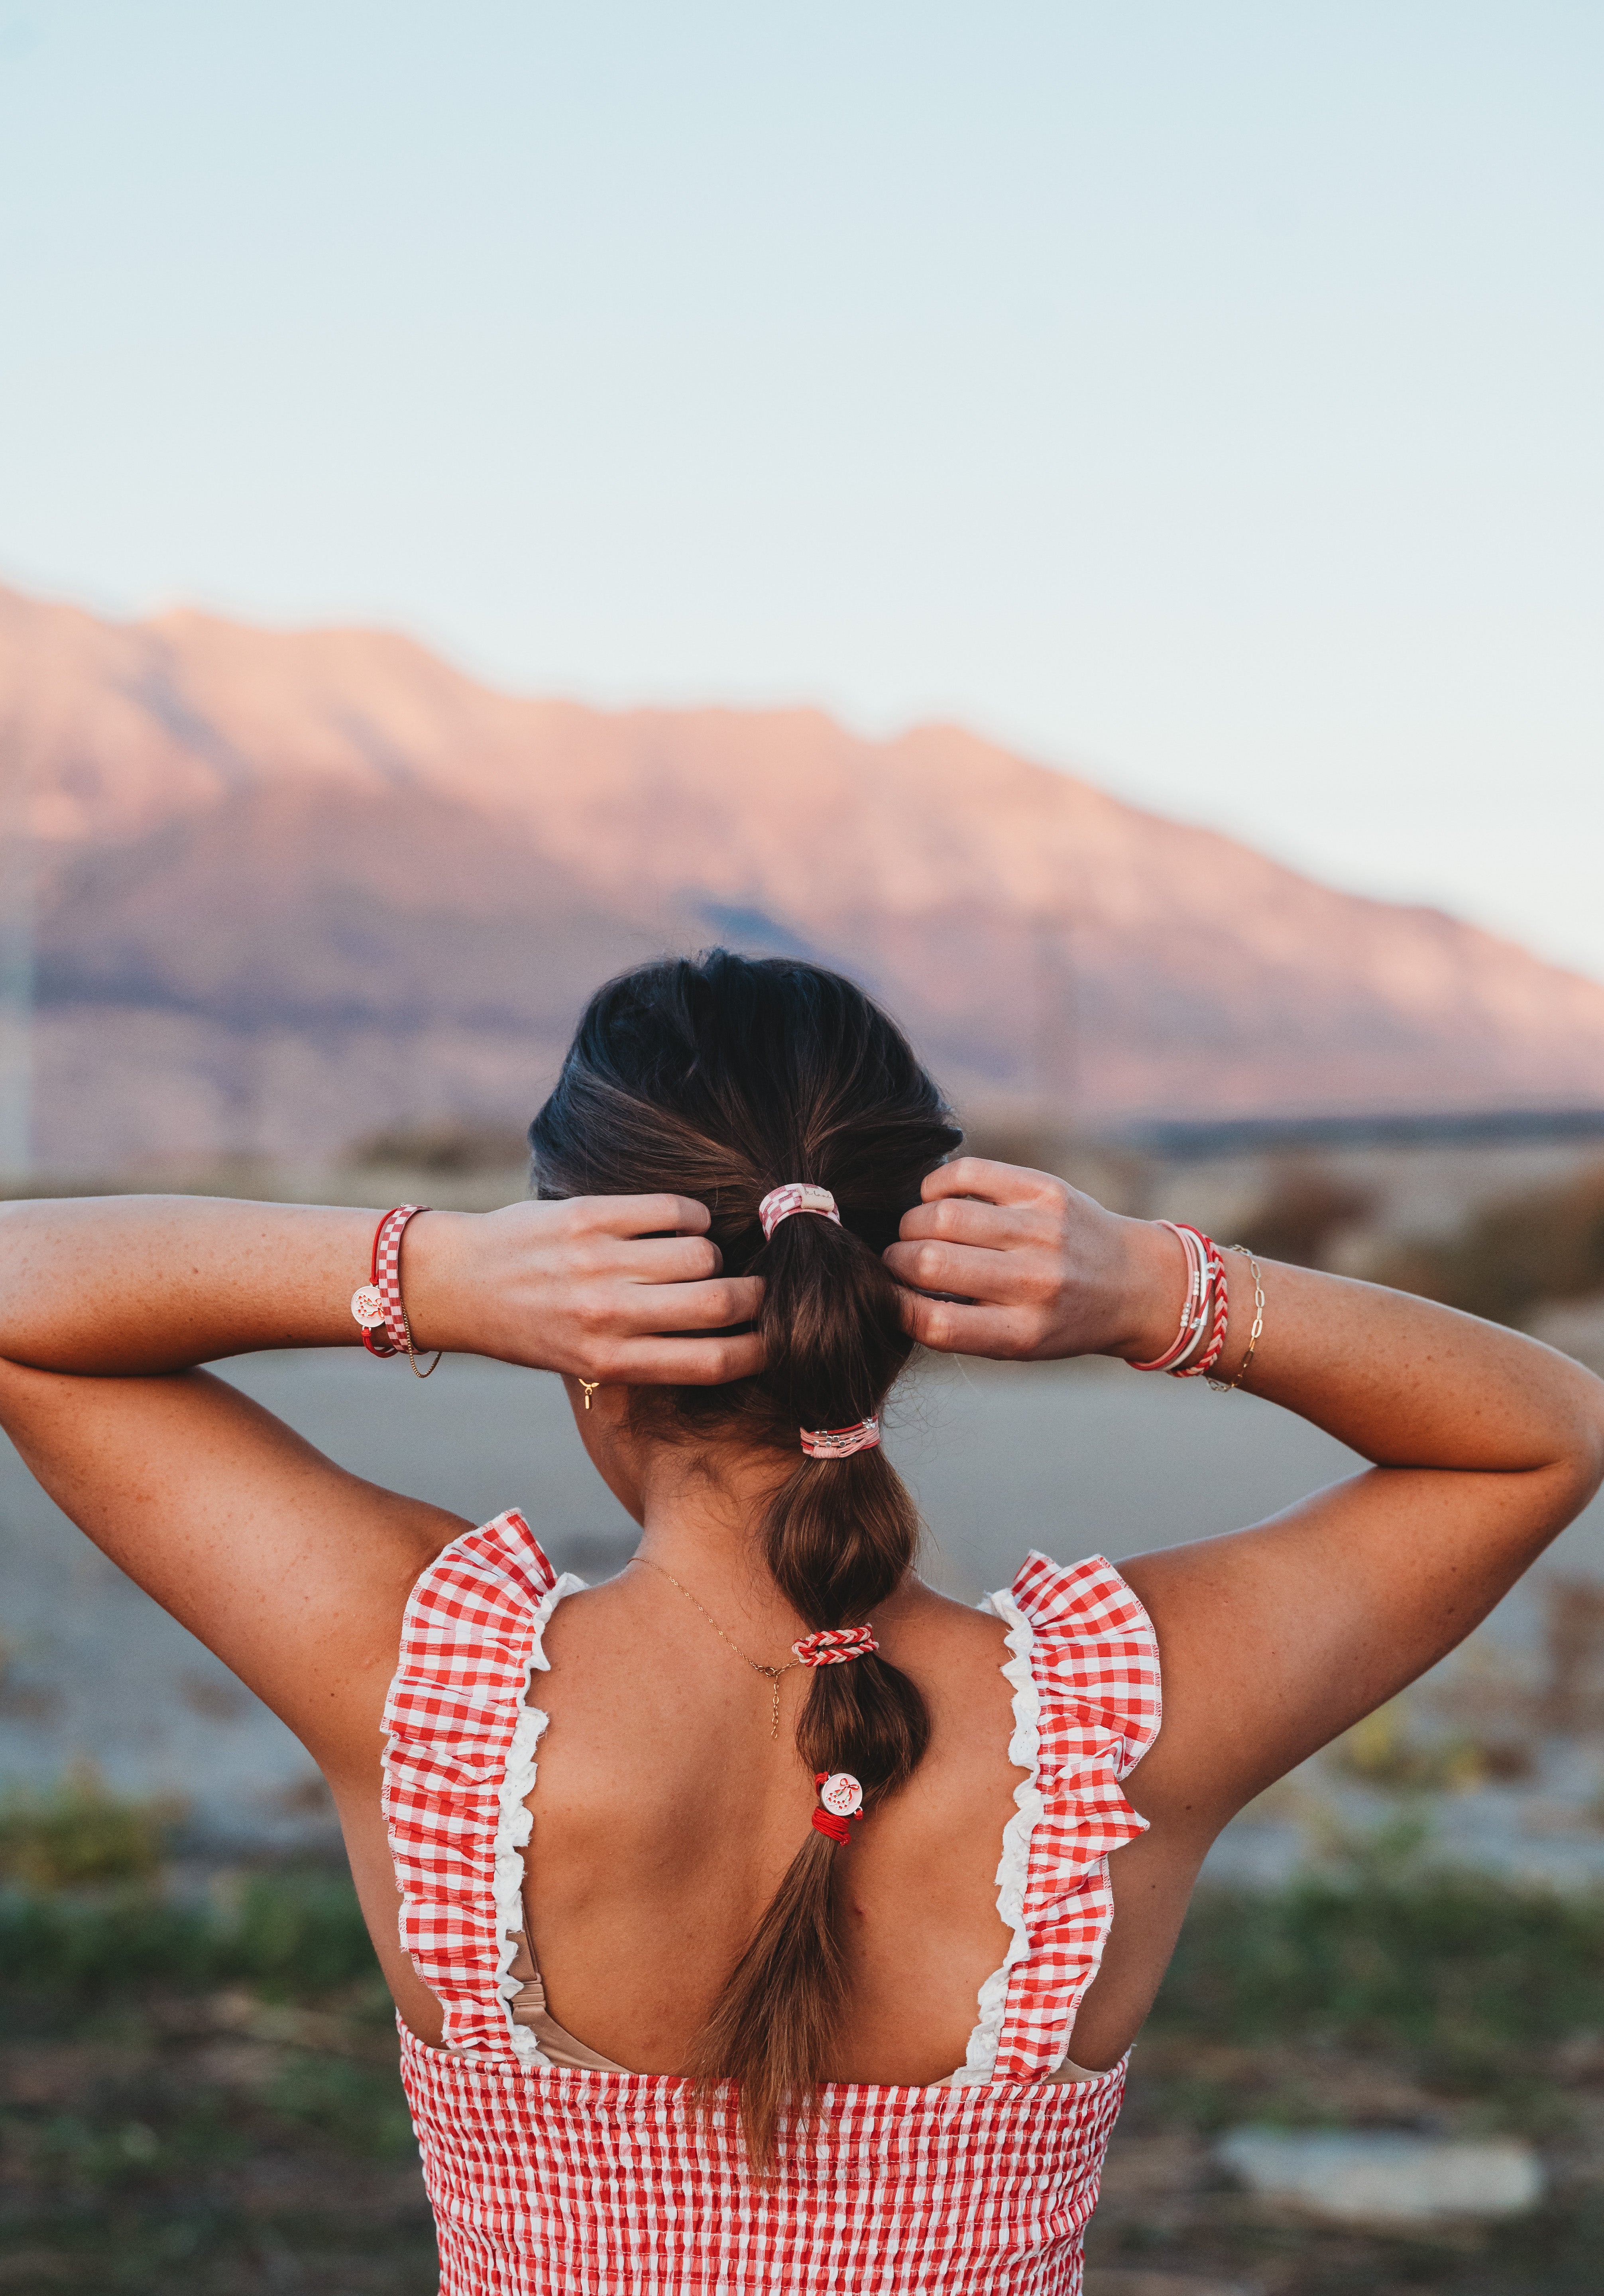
834	1645
795	1196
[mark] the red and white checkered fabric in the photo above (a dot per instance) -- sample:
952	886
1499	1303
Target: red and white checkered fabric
1095	1665
470	1627
596	2184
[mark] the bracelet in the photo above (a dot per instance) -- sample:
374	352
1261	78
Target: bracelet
378	1304
1218	1299
1229	1386
1192	1307
1197	1345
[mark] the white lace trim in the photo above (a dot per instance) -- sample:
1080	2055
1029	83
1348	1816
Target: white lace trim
514	1824
1025	1752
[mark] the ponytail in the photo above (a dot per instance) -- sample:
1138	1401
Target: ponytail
850	1525
838	1538
724	1079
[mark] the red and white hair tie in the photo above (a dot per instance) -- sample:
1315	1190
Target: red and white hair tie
783	1203
795	1196
840	1442
840	1796
834	1645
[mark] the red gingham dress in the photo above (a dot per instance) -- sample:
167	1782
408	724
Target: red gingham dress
546	2178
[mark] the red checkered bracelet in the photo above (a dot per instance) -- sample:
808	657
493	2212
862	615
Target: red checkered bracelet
377	1305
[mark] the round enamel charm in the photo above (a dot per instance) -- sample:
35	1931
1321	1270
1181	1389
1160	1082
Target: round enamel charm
841	1795
368	1306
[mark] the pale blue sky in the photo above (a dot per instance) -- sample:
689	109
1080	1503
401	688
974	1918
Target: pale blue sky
1204	396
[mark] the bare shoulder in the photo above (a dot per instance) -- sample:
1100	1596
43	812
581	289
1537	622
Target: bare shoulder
955	1652
921	1618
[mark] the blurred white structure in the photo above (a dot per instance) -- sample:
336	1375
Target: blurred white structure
1384	2176
16	966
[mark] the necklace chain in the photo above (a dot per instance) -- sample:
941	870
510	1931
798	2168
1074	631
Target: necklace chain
772	1673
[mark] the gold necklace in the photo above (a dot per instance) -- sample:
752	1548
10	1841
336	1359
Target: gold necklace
774	1673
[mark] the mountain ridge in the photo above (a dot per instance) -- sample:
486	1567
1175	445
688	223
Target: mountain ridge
269	862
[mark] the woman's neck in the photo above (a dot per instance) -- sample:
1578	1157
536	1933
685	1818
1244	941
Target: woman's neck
700	1521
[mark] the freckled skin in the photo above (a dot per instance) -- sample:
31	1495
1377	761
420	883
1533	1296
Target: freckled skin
664	1812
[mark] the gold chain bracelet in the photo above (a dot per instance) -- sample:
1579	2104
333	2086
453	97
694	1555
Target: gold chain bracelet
1227	1386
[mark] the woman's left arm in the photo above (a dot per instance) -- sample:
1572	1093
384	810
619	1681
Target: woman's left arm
1275	1638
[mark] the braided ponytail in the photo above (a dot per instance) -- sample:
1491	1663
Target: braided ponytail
838	1538
720	1080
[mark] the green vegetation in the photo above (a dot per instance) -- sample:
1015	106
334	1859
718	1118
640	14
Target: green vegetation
199	2095
292	1935
79	1834
1445	1965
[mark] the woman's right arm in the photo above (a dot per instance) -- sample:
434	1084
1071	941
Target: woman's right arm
293	1571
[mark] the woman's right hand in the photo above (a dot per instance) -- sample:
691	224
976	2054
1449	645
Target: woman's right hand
629	1290
618	1288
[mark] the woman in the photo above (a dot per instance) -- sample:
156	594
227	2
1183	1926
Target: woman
751	1919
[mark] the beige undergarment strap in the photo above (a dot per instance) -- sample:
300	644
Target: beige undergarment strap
529	2009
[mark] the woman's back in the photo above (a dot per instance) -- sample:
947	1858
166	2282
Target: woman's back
665	1814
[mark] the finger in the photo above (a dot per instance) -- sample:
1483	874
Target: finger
715	1306
682	1362
952	1328
998	1184
642	1216
995	1276
662	1258
960	1219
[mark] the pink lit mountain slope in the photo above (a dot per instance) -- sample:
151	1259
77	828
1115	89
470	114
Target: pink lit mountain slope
295	888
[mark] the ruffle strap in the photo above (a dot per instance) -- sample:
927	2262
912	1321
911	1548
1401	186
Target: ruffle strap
459	1767
1084	1664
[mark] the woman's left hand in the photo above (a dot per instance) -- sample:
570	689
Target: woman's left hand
1024	1267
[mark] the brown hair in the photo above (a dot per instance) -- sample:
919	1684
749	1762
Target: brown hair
721	1080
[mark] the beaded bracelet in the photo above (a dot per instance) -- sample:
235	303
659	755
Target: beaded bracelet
1196	1348
1216	1313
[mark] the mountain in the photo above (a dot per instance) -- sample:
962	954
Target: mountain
295	888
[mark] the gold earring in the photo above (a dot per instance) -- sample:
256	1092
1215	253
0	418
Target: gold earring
590	1387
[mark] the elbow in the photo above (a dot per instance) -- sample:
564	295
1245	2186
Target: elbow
1583	1456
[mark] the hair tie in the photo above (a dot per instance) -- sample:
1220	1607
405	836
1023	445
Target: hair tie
834	1645
839	1442
840	1796
795	1196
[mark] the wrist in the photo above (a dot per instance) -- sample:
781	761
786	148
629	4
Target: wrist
436	1285
1153	1289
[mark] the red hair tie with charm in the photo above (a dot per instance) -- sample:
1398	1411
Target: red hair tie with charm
840	1798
